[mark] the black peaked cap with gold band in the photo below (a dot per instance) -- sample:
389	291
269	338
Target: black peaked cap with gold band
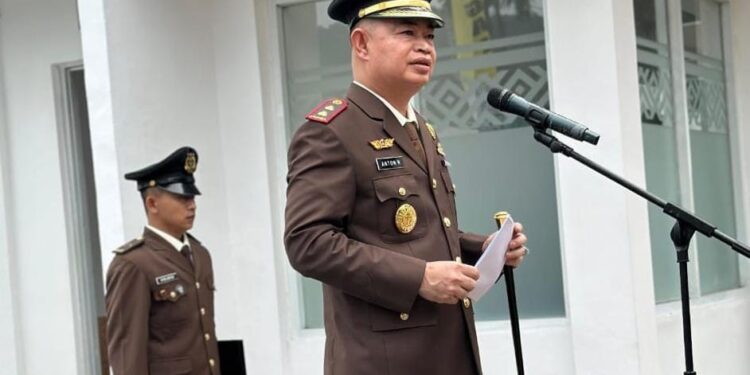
352	11
173	174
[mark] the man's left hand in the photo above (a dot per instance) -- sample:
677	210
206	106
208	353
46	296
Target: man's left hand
516	248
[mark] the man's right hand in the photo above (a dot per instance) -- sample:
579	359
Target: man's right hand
447	281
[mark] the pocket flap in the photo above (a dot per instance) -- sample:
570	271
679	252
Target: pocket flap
395	187
422	314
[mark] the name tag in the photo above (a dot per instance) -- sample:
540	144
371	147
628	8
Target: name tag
168	278
385	164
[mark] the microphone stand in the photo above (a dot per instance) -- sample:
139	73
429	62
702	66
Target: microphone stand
510	288
682	232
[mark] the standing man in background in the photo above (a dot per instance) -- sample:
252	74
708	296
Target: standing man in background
160	287
371	211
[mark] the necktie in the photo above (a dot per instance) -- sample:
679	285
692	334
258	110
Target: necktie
411	128
187	253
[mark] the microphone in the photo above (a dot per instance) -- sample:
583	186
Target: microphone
540	118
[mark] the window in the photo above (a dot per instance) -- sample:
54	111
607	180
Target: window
493	156
707	128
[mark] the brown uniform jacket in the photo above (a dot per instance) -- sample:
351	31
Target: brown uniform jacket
160	310
340	229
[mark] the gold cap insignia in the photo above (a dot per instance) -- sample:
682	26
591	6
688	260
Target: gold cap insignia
191	163
382	144
406	218
431	130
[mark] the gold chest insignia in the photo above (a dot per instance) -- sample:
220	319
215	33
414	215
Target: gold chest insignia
191	163
440	149
406	218
382	144
431	130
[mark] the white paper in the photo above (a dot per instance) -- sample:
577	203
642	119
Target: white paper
491	263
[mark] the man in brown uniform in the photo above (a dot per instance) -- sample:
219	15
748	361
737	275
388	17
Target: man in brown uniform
371	210
160	287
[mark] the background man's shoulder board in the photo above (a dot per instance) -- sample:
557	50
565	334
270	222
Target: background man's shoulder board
130	245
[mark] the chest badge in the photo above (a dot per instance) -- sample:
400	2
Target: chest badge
406	218
382	144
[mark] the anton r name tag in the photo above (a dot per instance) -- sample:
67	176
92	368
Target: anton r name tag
394	162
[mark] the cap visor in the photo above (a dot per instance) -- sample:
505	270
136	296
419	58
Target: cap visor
181	188
410	13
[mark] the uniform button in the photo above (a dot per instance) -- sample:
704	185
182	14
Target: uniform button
404	316
207	336
434	183
467	302
454	186
447	222
203	311
401	191
173	294
197	285
211	362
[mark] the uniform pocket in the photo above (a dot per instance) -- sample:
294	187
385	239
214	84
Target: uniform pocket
170	309
400	212
174	366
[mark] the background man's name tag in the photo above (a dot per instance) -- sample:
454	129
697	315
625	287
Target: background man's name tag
163	279
395	162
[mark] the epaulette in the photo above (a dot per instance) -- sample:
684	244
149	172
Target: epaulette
327	110
192	237
130	245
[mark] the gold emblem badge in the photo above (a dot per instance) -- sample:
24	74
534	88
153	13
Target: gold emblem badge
382	144
191	163
431	130
406	218
440	149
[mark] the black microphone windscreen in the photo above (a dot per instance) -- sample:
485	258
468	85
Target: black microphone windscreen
495	97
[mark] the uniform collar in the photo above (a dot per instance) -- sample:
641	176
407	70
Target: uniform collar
411	116
177	244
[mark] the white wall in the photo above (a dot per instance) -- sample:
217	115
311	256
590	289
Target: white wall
739	84
606	259
9	329
721	334
35	34
253	291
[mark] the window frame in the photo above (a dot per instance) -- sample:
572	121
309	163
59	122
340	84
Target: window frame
682	134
